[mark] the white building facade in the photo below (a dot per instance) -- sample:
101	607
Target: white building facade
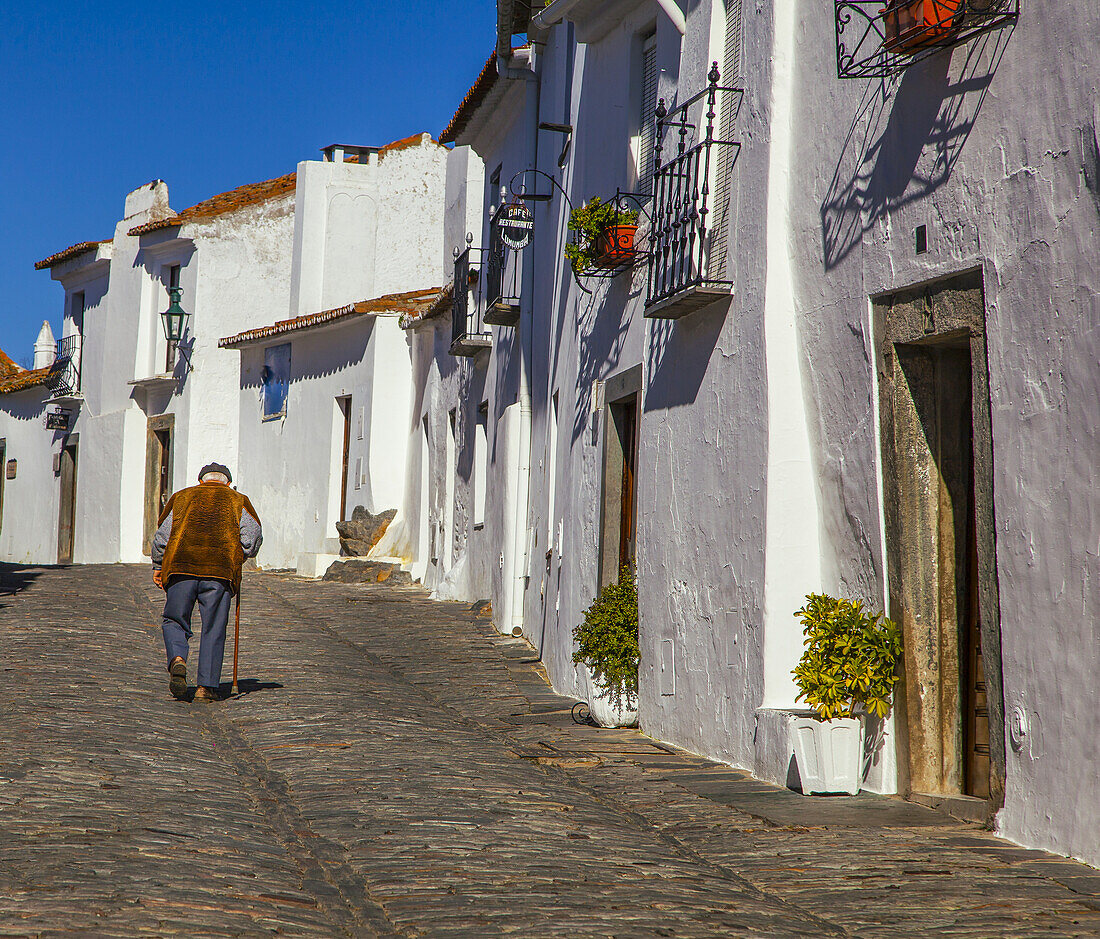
833	372
323	396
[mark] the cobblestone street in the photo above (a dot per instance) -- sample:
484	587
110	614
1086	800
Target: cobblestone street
393	767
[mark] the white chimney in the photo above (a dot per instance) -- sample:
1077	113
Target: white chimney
45	348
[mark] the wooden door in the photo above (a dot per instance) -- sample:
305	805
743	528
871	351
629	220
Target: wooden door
977	711
67	505
158	472
164	477
628	515
345	412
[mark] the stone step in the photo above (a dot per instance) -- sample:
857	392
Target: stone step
360	571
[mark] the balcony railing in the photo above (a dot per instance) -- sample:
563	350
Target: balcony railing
469	332
63	379
688	256
875	39
501	278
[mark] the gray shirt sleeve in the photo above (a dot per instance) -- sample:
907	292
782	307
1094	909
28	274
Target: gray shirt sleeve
160	542
251	535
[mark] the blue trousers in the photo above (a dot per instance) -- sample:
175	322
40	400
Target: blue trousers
214	598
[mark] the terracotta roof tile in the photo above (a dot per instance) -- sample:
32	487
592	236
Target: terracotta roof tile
440	304
7	366
23	379
410	302
472	101
223	203
71	252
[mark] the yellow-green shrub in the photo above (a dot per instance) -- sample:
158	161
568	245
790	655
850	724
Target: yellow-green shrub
850	658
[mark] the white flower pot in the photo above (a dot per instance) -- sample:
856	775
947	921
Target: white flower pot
604	712
829	754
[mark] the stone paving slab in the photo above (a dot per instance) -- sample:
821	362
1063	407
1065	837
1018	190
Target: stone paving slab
394	767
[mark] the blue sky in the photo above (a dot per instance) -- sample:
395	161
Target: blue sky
97	99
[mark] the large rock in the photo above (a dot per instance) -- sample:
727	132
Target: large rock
361	532
367	572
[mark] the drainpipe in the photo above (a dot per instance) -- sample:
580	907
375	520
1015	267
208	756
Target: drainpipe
513	622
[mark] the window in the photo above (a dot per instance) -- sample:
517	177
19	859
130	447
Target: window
481	463
731	71
275	380
76	312
646	120
494	185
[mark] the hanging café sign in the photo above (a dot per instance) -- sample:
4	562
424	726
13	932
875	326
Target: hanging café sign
58	420
515	224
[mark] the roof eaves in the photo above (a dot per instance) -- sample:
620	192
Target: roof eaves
223	203
70	252
473	100
407	303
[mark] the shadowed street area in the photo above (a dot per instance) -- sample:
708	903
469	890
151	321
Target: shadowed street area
393	767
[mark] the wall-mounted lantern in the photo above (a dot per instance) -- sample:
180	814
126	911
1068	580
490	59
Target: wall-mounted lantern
174	318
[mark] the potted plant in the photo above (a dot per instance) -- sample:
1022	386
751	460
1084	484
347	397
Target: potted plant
910	25
607	645
847	670
605	235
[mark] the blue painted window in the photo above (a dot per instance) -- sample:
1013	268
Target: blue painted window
276	380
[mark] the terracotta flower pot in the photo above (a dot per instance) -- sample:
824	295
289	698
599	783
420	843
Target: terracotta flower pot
615	245
910	25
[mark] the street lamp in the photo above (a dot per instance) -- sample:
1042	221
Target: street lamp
173	318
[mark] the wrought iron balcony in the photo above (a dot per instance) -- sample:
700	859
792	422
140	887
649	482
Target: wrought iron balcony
63	379
469	332
689	256
501	278
877	38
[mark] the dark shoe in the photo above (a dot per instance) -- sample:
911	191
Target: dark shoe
202	693
177	684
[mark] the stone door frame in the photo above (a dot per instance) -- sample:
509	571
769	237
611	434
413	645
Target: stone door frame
947	309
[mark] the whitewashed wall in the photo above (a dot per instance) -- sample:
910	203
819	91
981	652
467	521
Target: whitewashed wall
28	525
361	230
1000	160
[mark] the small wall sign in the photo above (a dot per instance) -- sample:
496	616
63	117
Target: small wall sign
516	225
58	420
11	467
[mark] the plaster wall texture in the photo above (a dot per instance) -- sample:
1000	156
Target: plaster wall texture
1000	162
291	467
29	503
234	272
451	550
361	230
242	278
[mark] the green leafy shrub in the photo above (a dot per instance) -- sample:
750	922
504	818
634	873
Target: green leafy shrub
590	221
850	658
607	640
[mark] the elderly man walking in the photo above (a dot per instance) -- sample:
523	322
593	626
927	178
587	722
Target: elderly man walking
205	533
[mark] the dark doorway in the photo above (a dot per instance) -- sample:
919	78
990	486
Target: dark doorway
344	404
937	469
66	519
619	522
158	472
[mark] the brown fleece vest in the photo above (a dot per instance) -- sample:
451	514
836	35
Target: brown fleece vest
206	533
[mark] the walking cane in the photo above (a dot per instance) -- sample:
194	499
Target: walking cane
236	641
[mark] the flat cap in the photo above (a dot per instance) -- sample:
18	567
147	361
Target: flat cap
215	468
